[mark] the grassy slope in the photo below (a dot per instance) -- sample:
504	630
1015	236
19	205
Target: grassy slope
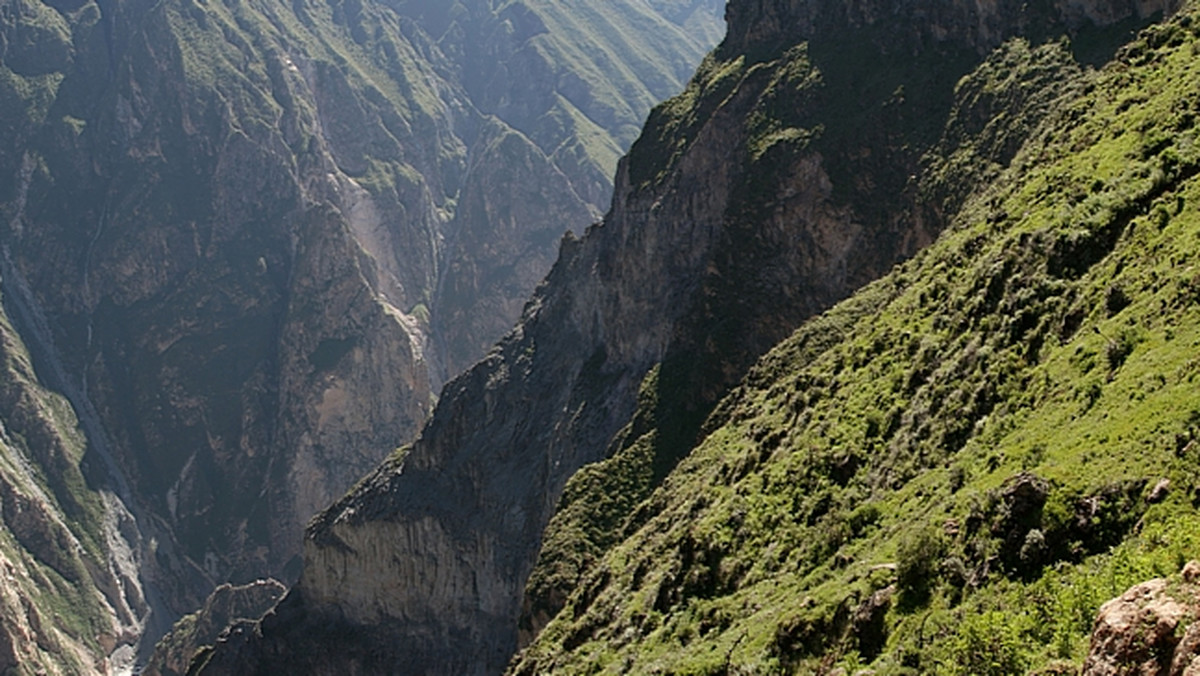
628	57
1052	330
807	98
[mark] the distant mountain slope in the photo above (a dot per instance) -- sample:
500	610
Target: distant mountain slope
818	146
949	472
577	78
257	235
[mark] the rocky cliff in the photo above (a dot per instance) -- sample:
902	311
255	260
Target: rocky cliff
252	239
814	150
227	605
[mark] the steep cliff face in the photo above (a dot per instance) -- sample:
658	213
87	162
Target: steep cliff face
791	171
168	223
236	221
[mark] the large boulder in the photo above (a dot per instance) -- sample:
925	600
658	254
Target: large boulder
1149	630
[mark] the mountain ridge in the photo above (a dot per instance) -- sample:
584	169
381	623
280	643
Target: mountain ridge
950	471
774	186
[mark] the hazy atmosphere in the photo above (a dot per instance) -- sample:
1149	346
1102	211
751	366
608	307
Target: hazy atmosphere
524	337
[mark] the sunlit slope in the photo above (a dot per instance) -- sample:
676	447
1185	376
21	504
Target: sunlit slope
949	472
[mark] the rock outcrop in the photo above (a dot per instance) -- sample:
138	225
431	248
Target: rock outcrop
1150	630
226	606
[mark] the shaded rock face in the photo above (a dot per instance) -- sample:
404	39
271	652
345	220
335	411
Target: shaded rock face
725	233
435	547
227	605
1150	630
259	236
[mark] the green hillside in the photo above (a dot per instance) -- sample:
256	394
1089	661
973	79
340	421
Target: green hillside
950	471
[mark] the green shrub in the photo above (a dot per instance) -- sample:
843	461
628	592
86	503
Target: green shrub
917	565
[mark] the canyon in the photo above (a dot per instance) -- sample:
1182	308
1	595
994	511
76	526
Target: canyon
244	244
879	356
